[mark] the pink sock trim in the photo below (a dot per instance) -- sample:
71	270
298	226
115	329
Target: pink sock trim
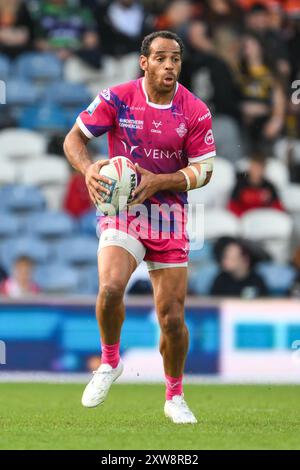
173	386
110	354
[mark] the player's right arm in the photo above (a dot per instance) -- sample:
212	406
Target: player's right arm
75	148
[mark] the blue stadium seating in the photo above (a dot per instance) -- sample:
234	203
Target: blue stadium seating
278	277
203	255
38	66
23	246
21	199
4	67
201	281
10	225
57	278
46	117
88	223
88	280
78	250
20	92
68	94
51	225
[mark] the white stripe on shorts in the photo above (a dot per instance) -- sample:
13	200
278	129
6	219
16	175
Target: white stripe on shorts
153	265
114	237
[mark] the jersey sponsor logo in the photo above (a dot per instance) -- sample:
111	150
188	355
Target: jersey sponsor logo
181	130
153	153
106	94
205	116
93	106
156	124
209	138
131	123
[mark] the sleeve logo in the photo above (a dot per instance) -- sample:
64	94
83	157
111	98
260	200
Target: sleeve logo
209	138
93	105
106	94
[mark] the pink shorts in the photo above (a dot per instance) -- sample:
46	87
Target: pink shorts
160	249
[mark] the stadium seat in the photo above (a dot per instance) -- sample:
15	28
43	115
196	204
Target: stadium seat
217	192
216	223
20	92
227	137
21	199
51	174
46	117
38	66
24	246
204	254
88	283
57	278
290	196
9	225
7	173
88	223
287	148
201	281
277	172
68	94
278	277
4	67
51	225
21	143
272	228
79	251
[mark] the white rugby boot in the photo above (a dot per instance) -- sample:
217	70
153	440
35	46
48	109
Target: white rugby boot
97	389
178	411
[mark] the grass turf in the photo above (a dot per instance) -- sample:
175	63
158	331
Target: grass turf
50	416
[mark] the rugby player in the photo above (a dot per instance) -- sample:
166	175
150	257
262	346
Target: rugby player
166	132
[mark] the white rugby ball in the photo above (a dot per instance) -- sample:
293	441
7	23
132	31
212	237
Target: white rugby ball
121	172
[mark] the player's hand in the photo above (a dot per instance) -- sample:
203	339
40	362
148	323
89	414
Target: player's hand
93	181
147	187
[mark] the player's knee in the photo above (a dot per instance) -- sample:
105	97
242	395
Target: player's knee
171	318
111	293
172	325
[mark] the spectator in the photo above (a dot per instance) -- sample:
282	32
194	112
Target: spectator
253	191
20	283
16	27
68	31
77	200
237	277
223	13
263	100
121	25
208	74
259	21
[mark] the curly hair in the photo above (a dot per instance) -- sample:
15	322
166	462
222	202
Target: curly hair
147	41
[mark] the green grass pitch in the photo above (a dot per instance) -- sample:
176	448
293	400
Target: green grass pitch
50	416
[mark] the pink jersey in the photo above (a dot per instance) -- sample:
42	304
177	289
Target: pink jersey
161	138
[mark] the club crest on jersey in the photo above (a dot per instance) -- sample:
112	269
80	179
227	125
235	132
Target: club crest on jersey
106	94
209	138
93	106
181	130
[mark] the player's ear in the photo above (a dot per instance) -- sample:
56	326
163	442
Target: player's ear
143	62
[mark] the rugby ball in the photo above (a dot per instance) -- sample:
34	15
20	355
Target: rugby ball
122	174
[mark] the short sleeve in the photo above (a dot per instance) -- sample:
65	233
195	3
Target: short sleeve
99	117
200	143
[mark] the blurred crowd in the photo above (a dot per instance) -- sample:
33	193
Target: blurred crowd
242	57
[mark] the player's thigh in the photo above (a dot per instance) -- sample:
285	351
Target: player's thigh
115	266
169	288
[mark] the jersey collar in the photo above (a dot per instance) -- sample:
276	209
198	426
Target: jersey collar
155	105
